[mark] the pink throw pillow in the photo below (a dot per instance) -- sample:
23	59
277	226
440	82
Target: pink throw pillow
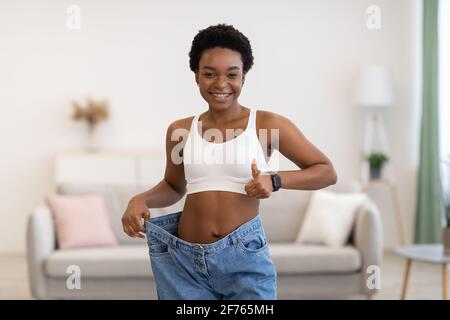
80	221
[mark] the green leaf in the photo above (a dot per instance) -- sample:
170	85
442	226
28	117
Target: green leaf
376	159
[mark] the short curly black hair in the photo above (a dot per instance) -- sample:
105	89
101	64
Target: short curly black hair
223	36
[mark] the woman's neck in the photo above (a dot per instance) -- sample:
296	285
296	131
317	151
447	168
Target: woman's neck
225	116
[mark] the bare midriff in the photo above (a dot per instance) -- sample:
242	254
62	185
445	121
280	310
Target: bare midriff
211	215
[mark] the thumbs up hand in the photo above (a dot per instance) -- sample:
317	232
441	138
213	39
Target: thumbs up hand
260	186
255	170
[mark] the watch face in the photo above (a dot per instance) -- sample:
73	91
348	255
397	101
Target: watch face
276	181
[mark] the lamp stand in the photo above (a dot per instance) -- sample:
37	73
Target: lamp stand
375	124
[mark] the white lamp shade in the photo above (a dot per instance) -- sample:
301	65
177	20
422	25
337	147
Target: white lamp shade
374	88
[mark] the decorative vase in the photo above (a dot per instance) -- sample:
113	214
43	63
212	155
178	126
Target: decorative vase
446	240
375	173
91	140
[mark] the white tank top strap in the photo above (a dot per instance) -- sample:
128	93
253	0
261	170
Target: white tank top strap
194	125
252	119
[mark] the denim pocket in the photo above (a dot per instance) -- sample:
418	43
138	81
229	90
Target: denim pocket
157	247
253	242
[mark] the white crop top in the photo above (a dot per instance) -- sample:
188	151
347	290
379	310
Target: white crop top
222	166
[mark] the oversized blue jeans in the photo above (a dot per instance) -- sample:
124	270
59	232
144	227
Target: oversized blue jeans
236	267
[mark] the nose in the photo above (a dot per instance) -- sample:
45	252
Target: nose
221	82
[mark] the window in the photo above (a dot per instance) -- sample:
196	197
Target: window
444	93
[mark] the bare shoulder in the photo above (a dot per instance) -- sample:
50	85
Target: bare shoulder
177	132
184	123
271	120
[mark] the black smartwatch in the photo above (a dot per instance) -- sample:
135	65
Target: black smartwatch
276	180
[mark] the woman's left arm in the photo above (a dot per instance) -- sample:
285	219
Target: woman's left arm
316	172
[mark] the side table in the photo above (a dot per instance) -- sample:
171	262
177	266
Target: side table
429	253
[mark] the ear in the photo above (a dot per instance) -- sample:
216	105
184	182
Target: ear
196	77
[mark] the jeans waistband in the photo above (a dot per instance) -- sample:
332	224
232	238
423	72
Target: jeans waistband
157	227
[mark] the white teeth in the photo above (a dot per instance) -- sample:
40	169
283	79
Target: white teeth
221	95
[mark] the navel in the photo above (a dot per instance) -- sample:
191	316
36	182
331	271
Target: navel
216	235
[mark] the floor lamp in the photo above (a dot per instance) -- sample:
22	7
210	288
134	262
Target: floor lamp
374	93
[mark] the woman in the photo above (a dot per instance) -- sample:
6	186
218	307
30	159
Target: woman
216	247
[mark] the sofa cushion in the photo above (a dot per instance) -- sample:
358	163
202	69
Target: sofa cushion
107	262
80	221
282	214
330	217
116	198
296	258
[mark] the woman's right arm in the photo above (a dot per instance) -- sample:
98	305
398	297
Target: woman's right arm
167	192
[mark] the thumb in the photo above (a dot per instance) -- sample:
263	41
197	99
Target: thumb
147	214
255	170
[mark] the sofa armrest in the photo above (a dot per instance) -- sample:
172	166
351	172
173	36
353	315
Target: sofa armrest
40	243
368	239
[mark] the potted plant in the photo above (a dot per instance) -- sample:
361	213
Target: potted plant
376	161
92	113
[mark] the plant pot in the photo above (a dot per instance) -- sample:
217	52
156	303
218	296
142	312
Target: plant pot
92	140
375	173
446	240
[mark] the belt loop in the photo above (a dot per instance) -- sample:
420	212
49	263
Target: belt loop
174	242
233	239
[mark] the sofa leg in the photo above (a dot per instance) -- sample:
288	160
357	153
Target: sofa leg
370	296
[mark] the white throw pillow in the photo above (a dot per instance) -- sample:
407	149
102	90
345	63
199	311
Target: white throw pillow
329	217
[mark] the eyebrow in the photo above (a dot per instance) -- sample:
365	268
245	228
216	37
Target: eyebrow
230	68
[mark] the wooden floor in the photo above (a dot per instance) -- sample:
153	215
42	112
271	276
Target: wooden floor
14	277
425	279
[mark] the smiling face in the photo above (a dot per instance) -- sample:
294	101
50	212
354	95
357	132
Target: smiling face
220	77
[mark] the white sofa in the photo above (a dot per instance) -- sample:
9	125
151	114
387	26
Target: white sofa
304	271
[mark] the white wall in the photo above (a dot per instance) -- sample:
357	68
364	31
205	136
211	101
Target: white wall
135	54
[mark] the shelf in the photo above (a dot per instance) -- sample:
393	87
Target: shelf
138	167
